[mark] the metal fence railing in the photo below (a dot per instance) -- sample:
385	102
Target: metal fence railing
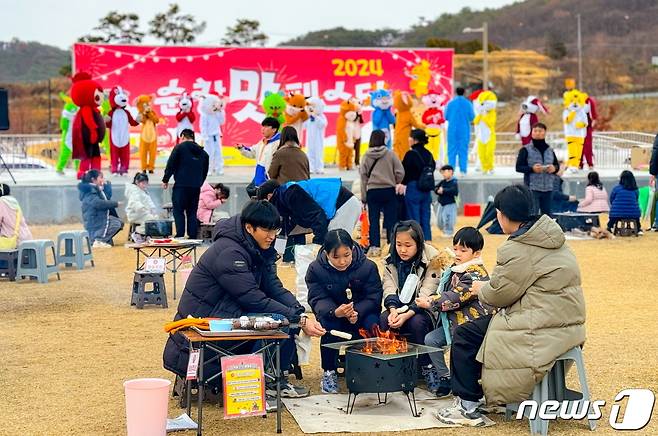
29	151
611	149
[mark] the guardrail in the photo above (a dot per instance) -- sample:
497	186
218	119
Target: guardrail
29	151
611	149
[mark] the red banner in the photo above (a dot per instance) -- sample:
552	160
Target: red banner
245	74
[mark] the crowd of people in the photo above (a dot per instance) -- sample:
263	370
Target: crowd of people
450	304
542	174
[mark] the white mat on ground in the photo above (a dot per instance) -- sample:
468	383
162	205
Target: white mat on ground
326	413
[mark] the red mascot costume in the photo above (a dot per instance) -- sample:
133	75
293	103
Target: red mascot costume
88	124
119	124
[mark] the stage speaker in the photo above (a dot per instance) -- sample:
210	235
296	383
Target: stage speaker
4	109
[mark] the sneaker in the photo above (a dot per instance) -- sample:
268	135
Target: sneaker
457	415
329	382
270	403
101	244
653	229
288	390
640	233
431	378
444	389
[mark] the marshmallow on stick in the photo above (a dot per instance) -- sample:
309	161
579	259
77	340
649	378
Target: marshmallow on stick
340	334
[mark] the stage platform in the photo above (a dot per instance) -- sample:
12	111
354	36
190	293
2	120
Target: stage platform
47	197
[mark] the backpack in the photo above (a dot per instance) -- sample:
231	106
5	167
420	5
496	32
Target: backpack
426	180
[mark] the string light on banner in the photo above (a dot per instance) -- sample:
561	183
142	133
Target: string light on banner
153	56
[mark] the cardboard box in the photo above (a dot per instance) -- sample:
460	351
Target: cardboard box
640	157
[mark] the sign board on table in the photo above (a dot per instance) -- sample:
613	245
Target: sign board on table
155	264
244	75
244	385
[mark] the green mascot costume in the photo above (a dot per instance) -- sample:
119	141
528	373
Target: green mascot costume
68	113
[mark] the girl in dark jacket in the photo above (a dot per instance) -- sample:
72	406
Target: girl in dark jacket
99	214
624	202
345	293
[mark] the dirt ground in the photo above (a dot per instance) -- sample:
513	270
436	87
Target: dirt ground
69	345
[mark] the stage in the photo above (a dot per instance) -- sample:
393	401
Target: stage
50	198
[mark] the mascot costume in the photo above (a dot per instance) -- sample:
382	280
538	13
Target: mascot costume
315	126
575	126
295	112
274	106
148	138
119	123
382	117
459	115
529	118
404	121
185	118
212	117
346	132
433	119
66	145
588	148
485	129
88	124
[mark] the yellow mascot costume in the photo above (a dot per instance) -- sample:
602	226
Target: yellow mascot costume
575	125
485	129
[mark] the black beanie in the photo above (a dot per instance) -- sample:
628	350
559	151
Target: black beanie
420	136
515	202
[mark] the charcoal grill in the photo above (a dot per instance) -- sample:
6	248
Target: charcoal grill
376	373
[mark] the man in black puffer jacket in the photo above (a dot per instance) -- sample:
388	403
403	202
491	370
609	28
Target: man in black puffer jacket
237	276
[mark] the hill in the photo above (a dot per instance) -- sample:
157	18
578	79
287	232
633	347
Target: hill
618	39
22	61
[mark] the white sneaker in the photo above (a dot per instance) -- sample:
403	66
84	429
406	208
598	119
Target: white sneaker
101	244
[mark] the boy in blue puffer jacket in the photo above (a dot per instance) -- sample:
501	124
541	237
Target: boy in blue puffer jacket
624	202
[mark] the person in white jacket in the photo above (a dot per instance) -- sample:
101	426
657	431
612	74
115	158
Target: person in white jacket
315	126
263	150
139	205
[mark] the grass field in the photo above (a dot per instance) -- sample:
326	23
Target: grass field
69	345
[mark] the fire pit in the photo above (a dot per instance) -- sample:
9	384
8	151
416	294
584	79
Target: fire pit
381	365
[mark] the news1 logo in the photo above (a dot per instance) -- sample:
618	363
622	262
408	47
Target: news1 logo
637	413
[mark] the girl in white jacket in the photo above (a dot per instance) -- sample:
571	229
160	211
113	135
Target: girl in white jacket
139	205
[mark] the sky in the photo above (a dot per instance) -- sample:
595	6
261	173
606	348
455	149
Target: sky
61	22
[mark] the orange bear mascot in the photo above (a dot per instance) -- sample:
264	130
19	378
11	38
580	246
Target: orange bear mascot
404	121
148	138
88	124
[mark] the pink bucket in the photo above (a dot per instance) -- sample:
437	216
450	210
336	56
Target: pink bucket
146	406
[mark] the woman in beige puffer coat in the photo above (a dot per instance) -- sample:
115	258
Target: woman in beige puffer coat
536	286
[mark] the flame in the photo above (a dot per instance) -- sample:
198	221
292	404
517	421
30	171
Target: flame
387	342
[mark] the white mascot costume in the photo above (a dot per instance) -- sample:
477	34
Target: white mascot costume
211	110
315	127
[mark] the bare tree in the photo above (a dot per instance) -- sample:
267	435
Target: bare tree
245	33
116	27
174	27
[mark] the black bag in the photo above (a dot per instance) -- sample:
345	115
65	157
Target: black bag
426	181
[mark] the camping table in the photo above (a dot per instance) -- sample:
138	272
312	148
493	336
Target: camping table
200	342
173	252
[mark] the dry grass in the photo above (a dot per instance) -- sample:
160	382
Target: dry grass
69	345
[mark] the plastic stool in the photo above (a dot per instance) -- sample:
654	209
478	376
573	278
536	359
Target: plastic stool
11	258
626	227
32	260
140	296
553	387
77	248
